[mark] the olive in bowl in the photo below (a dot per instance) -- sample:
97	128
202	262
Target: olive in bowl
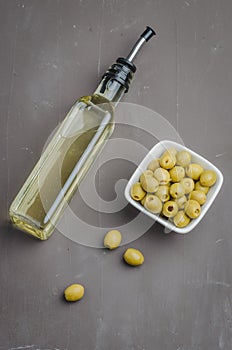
203	177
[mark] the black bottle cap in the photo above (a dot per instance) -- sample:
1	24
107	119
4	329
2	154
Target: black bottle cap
126	62
122	71
148	33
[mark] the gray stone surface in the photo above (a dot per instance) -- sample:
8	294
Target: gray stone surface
51	53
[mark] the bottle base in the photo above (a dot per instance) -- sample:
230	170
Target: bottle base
25	225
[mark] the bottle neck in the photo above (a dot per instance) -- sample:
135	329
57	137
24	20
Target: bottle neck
111	90
116	80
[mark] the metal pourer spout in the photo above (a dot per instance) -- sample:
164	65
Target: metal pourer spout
145	36
122	71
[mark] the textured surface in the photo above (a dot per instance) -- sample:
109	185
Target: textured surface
52	52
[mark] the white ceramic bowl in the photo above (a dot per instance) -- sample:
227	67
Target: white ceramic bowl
156	152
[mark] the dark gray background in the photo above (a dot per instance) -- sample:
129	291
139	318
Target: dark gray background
52	52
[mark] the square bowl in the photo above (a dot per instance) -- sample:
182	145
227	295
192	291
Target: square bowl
156	152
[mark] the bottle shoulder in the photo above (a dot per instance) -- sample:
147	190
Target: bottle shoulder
96	100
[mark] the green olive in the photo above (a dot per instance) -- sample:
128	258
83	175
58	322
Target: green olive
194	171
208	178
177	173
199	187
177	190
181	219
181	201
133	257
162	176
171	151
167	161
146	173
112	239
149	183
192	208
143	200
188	184
198	196
153	204
74	292
163	193
183	158
170	209
137	192
154	164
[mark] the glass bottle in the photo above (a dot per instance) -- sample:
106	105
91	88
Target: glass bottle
71	151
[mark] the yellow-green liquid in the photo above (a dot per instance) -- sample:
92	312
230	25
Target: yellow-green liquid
63	164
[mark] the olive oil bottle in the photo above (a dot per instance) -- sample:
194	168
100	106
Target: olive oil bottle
71	151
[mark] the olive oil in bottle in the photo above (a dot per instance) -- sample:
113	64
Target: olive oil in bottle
71	151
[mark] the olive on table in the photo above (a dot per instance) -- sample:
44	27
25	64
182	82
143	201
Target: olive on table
112	239
74	292
133	257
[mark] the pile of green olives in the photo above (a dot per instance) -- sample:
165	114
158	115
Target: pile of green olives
173	186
